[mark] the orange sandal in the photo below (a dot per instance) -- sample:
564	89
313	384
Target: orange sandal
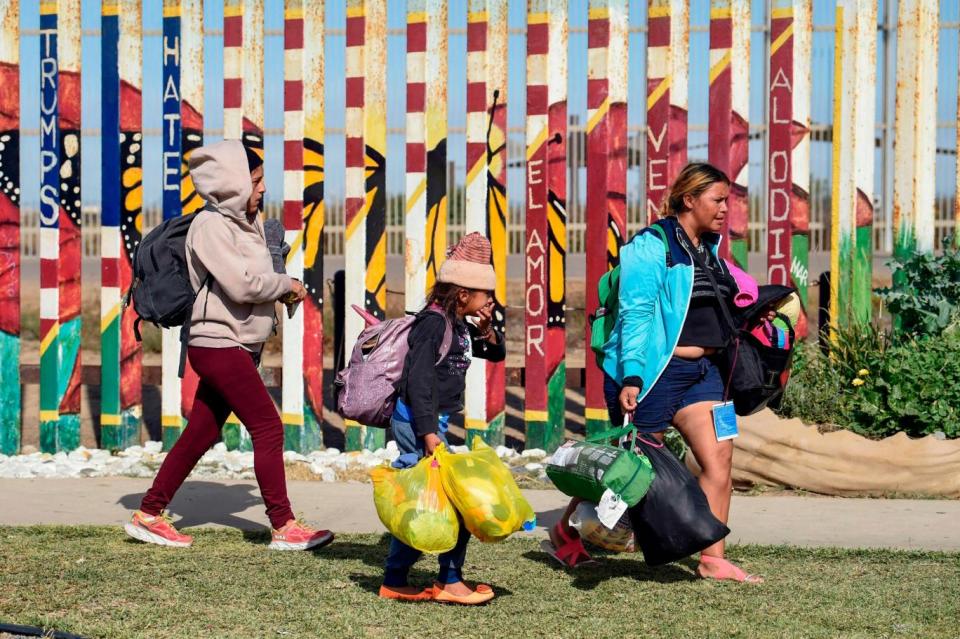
727	571
571	553
386	592
481	594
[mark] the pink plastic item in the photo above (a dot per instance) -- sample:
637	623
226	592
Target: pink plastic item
747	289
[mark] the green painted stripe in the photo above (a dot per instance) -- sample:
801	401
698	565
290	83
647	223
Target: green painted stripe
353	438
10	402
556	408
170	436
374	438
800	265
110	369
739	252
595	426
862	281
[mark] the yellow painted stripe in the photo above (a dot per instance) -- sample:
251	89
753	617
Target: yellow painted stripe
478	16
109	420
598	13
718	68
113	9
233	419
49	415
538	18
658	12
476	424
233	11
48	8
175	421
349	423
782	12
109	318
658	92
781	39
535	415
417	193
537	143
293	419
297	241
293	13
599	114
720	13
597	414
835	187
48	339
416	16
355	12
169	11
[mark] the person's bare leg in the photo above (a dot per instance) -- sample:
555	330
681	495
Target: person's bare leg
695	423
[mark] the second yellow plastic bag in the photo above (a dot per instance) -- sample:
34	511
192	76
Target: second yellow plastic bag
412	504
484	492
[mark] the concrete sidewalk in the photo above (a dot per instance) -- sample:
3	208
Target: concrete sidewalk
348	507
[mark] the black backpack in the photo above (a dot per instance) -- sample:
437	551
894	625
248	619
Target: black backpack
161	290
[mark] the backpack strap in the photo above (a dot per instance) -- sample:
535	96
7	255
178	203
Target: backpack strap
185	330
447	341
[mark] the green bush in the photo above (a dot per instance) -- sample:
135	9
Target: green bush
925	296
877	387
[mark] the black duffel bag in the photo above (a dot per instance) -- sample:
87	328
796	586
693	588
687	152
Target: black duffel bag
673	520
754	375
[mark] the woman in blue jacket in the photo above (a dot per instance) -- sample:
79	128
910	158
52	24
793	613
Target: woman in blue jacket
660	361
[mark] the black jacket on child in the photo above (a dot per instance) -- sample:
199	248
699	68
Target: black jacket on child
430	389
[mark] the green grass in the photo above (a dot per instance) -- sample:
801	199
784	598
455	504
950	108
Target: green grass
94	582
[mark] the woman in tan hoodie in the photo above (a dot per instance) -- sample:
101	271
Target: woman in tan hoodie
232	317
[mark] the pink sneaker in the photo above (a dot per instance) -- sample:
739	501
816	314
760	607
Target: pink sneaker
156	530
295	535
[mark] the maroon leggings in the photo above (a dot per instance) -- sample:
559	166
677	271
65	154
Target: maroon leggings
228	382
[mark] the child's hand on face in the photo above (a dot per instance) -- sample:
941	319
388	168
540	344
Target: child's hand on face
485	316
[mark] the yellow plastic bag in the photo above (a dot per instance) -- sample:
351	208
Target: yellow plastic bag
483	491
412	505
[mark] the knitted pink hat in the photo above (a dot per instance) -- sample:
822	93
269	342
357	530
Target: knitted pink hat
468	264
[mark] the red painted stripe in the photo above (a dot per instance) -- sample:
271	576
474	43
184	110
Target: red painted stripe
352	206
536	100
416	37
475	151
233	31
355	27
49	273
597	91
293	95
416	97
354	97
232	93
354	152
109	271
476	36
293	154
598	33
293	215
721	33
658	33
416	157
538	39
293	33
476	97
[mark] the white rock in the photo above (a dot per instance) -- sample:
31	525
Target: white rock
533	468
328	475
534	453
153	447
293	456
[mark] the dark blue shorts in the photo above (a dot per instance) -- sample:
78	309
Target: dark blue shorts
683	382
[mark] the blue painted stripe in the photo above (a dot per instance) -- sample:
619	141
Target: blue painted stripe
49	124
110	121
172	123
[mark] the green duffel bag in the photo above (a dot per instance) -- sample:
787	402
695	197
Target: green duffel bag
587	469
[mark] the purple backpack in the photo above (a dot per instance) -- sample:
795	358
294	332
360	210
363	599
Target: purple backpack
365	391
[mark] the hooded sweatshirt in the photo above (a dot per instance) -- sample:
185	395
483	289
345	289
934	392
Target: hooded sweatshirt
236	308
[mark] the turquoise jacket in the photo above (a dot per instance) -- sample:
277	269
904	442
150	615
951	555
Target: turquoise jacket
656	283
